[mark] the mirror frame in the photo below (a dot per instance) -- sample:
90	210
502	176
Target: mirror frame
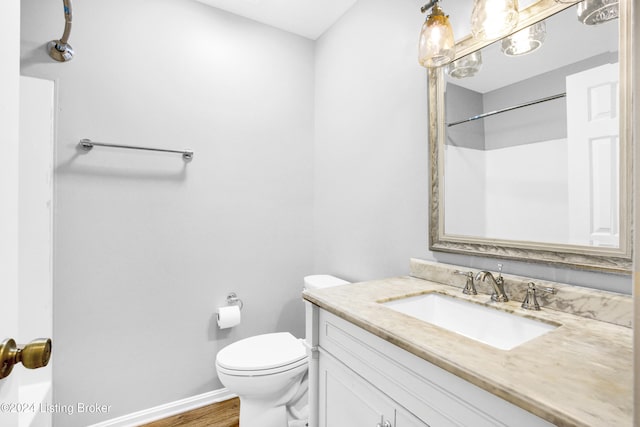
615	260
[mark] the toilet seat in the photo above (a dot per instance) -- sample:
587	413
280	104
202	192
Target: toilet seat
265	354
263	372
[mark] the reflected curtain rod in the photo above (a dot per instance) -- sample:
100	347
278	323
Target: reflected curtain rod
515	107
87	145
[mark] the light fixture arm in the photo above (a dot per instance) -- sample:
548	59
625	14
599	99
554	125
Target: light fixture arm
68	19
429	5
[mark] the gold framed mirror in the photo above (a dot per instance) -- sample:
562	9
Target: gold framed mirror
491	195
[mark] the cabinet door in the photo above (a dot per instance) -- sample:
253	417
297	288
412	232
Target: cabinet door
406	419
346	400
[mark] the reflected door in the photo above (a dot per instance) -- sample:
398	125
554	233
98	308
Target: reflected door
593	143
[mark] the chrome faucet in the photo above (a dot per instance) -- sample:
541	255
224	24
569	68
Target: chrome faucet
498	284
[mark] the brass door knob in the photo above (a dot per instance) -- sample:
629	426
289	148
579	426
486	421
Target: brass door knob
34	355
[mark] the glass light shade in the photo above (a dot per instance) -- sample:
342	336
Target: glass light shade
525	41
493	19
467	66
592	12
436	46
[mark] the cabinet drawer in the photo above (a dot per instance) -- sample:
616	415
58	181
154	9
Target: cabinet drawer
435	396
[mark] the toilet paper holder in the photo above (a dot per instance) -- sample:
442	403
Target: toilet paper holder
232	299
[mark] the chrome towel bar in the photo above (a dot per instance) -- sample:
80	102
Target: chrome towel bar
87	145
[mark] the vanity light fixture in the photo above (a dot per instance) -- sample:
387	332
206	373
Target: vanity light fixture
467	66
525	41
592	12
493	19
436	45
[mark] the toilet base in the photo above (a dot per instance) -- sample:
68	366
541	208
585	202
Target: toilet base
262	414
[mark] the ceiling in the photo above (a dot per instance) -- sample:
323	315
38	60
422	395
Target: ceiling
308	18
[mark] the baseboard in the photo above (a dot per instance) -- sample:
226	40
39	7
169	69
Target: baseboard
167	410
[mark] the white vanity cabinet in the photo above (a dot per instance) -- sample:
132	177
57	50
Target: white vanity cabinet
359	380
348	400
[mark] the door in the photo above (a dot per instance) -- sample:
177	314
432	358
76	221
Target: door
26	252
405	419
346	400
9	78
25	226
35	202
592	132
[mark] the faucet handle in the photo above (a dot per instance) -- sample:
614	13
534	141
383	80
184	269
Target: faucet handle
530	301
500	279
469	287
464	273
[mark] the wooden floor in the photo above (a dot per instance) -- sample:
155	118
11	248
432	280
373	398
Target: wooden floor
223	414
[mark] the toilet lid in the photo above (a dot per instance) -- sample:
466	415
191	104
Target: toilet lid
260	352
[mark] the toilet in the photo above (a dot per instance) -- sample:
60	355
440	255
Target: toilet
269	373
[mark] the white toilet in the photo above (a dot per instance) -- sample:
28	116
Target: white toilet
269	373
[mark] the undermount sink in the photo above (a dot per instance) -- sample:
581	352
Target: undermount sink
488	325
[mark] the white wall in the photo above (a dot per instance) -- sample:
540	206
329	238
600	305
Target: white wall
497	193
371	159
147	246
528	192
464	190
371	193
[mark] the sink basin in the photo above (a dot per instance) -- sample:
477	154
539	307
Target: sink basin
488	325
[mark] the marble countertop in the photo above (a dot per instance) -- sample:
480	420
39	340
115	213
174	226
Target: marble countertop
579	374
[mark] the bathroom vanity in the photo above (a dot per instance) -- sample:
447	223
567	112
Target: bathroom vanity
374	366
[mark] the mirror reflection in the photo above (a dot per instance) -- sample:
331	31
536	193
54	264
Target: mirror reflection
532	136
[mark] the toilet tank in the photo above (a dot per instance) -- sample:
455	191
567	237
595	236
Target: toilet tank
319	281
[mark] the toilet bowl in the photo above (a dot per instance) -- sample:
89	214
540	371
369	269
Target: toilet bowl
269	373
265	371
